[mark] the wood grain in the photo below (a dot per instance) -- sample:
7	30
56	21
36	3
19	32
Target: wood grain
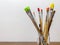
25	43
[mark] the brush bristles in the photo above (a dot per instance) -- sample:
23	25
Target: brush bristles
52	6
27	9
38	9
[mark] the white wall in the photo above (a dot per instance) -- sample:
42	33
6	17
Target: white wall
15	25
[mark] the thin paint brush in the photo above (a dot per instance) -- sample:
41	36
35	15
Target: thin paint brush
46	23
40	22
41	16
47	14
28	11
52	12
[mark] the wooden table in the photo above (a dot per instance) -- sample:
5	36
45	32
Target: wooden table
25	43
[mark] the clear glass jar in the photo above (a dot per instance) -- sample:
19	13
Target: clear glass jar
43	41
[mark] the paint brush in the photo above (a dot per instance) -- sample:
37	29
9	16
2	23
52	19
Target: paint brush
52	12
28	11
40	21
47	14
46	21
46	24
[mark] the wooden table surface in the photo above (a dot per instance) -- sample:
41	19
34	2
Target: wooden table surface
25	43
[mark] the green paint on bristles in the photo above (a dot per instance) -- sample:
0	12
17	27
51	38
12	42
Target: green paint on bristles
27	9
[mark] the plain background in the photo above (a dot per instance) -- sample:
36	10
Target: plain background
16	26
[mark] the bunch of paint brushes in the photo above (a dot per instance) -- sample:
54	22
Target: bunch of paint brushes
42	31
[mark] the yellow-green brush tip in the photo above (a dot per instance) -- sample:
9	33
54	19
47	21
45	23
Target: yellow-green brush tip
52	5
27	9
